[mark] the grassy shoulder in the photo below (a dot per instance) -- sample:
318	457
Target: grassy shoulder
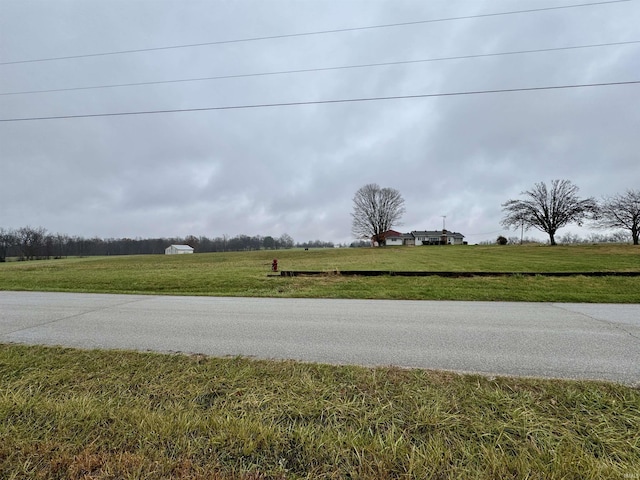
93	414
245	274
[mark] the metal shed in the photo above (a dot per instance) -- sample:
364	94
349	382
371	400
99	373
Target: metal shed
178	249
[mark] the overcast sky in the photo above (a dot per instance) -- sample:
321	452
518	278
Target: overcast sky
295	169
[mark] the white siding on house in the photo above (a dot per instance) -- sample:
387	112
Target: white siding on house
394	241
434	237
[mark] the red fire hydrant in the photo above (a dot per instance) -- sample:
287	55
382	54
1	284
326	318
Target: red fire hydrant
274	265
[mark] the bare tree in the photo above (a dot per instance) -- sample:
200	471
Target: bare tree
285	241
621	211
376	210
193	242
62	241
7	240
30	241
548	209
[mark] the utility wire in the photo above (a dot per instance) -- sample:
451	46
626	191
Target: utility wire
309	70
321	102
319	32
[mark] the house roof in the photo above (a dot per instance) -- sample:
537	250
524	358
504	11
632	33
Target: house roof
390	234
182	247
436	233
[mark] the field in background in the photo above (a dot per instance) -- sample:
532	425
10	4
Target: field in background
246	273
93	414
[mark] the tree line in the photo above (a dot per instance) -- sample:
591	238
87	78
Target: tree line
565	239
550	208
35	243
376	210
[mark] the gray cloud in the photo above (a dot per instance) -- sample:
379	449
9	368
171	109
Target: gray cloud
295	169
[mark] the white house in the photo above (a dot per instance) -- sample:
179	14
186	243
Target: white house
437	237
424	237
177	249
399	239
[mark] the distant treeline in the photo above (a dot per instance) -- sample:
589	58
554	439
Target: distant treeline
28	243
566	239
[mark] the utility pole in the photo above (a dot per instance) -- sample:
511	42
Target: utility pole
443	219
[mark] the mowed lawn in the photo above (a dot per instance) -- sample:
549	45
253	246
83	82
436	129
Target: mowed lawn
246	273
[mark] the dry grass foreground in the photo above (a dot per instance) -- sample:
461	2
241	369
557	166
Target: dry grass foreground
70	414
245	273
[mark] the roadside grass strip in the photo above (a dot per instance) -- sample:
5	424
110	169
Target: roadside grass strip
77	414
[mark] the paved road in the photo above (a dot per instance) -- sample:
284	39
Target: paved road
584	341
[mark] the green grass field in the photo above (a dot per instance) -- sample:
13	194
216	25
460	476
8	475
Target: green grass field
245	274
73	414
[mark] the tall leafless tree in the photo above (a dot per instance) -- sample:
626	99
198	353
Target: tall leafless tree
621	211
548	209
376	210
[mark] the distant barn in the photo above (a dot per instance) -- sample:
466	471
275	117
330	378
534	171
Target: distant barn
178	249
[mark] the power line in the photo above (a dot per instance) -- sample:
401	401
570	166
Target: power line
319	32
321	102
322	69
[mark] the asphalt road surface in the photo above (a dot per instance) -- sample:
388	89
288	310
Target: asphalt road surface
580	341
